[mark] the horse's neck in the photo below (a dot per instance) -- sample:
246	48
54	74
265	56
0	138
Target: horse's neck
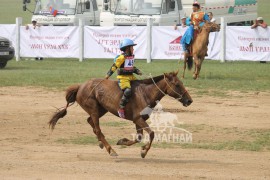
203	36
155	92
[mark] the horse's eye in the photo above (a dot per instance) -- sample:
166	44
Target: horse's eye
177	85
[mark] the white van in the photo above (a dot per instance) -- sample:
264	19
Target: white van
168	12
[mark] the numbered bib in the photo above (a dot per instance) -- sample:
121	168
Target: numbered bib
129	62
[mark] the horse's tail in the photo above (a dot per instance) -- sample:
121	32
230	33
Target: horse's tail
190	62
71	94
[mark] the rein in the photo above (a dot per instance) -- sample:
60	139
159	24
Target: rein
94	88
180	96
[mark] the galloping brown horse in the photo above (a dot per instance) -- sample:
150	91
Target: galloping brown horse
199	48
98	96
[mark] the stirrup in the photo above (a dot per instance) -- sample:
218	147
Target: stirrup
121	113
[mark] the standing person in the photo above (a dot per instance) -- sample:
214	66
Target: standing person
183	23
125	65
34	25
197	19
211	17
259	22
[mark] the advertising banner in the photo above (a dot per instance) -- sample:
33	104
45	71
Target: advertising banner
244	43
104	42
166	43
50	41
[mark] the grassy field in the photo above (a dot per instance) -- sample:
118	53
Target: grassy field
215	77
245	140
10	9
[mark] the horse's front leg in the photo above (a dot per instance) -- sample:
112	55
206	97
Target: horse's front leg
198	68
127	142
141	123
196	61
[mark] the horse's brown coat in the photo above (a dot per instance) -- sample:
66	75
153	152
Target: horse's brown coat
199	48
98	96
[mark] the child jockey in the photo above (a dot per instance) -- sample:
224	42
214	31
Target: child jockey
125	65
197	19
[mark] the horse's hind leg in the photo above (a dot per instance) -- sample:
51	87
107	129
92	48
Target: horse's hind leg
127	142
102	111
90	121
141	123
101	136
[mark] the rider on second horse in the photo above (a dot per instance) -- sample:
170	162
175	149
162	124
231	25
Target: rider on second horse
198	18
125	65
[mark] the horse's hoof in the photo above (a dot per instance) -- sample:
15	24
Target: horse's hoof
194	77
100	144
113	153
122	141
143	153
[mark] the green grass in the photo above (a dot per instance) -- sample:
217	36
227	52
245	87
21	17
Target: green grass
10	9
115	124
216	78
84	140
232	138
263	10
244	140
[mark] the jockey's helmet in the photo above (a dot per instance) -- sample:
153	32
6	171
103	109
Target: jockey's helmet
125	43
196	4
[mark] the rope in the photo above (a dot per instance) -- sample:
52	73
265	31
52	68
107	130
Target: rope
150	75
180	96
94	88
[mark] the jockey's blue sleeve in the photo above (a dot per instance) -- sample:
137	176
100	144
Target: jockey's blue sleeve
206	17
188	21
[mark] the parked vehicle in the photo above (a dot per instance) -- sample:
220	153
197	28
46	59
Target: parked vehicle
6	51
65	12
168	12
136	12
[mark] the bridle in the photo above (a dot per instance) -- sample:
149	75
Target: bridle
211	27
180	95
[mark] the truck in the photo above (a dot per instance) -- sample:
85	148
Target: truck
168	12
137	12
235	12
65	12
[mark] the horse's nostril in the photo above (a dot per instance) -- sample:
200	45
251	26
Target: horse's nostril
190	101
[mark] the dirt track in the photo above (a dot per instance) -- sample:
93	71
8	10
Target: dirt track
29	150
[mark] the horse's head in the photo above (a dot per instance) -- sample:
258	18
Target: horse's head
211	27
176	89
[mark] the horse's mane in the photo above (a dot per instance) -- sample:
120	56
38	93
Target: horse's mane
150	80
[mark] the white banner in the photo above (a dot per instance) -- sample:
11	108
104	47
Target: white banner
244	43
50	41
8	31
214	46
166	43
103	42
